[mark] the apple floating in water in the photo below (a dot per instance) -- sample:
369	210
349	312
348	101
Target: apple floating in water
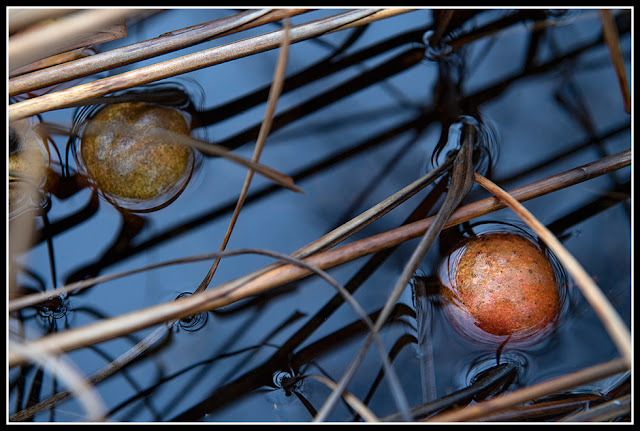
30	176
137	171
499	286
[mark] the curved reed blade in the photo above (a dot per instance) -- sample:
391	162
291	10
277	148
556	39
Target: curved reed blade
461	183
65	371
610	34
610	318
233	291
274	94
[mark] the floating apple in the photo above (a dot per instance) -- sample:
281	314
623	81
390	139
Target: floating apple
28	165
500	285
136	170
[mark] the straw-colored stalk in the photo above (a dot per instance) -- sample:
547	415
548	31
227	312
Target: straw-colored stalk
523	395
609	317
229	292
21	18
321	244
54	60
86	394
265	127
163	44
610	34
64	34
182	65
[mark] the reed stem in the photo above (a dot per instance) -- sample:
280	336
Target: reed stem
228	293
532	392
181	65
62	35
165	43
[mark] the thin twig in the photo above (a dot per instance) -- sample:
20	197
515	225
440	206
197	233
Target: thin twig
559	384
209	148
610	34
461	182
62	34
54	60
610	318
230	292
165	43
153	337
274	95
324	243
351	399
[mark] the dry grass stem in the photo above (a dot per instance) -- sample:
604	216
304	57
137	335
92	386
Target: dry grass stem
604	412
610	34
414	230
216	150
21	18
523	395
325	242
165	43
181	65
353	401
377	16
154	337
35	298
66	372
272	101
208	148
610	318
230	292
64	34
461	183
54	60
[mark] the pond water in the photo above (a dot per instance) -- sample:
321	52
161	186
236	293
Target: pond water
231	367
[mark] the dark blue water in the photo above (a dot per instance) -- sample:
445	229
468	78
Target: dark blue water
221	366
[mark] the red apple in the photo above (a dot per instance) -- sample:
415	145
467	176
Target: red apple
501	284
